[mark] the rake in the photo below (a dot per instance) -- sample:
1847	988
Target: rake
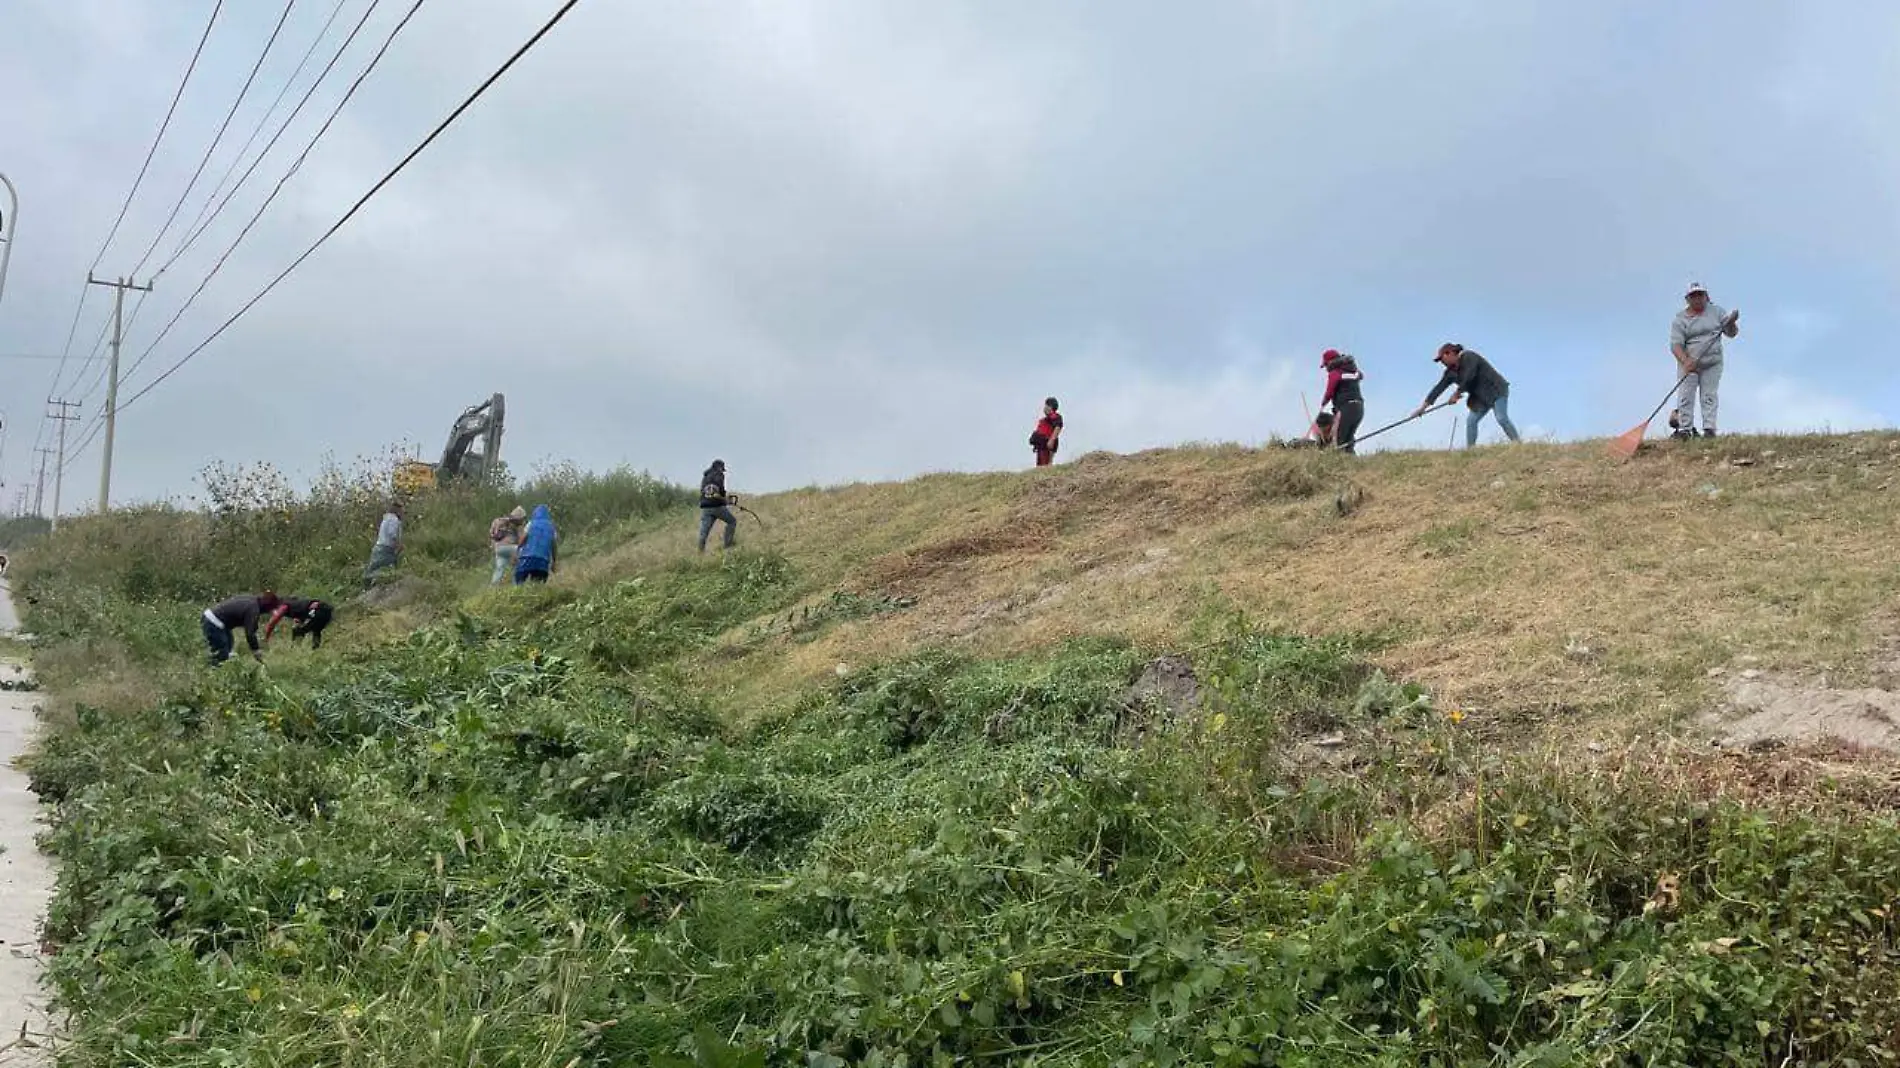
1624	445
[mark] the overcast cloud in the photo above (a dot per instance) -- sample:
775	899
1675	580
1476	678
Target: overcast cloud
855	239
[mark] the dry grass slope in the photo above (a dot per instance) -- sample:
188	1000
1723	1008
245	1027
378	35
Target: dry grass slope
1534	583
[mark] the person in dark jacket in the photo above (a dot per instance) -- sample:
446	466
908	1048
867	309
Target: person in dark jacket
238	613
1472	377
308	616
540	546
715	505
1342	392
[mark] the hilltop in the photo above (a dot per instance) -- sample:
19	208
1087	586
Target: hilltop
1207	755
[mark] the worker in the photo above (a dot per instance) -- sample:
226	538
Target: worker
308	616
504	537
1342	392
1474	379
387	552
243	611
1318	436
1048	433
715	505
540	548
1695	339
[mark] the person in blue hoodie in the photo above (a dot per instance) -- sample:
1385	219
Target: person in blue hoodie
540	545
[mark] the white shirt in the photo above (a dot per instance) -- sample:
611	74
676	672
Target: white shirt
389	535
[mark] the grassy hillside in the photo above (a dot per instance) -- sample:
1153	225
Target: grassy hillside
1210	756
1520	582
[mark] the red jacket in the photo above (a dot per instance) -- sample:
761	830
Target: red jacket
1047	426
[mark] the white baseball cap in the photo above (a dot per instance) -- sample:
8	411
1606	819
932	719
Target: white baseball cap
1697	287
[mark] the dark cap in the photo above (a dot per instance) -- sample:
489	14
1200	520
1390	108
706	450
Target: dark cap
1449	348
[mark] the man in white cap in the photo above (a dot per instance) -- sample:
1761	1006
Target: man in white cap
1695	338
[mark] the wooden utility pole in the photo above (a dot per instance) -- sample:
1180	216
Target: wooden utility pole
39	484
112	379
61	412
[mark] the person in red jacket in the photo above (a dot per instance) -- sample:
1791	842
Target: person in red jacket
1047	434
308	616
1342	392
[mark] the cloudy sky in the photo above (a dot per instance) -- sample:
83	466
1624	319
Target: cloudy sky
860	239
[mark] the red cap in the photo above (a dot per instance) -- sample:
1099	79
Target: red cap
1328	356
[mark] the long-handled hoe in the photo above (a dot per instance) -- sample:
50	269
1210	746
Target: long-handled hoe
1394	426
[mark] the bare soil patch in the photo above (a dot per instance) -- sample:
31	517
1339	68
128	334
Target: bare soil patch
1765	711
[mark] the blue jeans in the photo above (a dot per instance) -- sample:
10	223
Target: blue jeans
1503	410
709	516
220	640
381	557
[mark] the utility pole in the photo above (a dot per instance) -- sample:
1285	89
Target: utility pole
9	226
39	485
61	412
112	378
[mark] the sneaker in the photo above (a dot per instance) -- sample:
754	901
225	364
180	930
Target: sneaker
1707	433
1682	433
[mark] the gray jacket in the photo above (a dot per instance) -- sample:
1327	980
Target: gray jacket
1699	335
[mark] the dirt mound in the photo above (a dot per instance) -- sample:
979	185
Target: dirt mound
1765	712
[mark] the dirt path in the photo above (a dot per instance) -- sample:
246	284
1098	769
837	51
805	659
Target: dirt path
26	877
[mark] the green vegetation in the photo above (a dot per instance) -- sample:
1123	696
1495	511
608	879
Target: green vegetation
537	828
128	581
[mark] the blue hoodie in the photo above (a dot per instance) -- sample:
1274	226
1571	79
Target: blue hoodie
537	542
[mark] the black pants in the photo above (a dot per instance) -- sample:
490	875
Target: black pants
1346	420
220	641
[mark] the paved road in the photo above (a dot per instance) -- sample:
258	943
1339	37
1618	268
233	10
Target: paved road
26	876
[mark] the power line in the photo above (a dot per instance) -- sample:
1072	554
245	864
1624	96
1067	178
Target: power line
153	151
217	138
136	182
282	128
553	21
65	356
99	377
262	122
93	427
281	182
